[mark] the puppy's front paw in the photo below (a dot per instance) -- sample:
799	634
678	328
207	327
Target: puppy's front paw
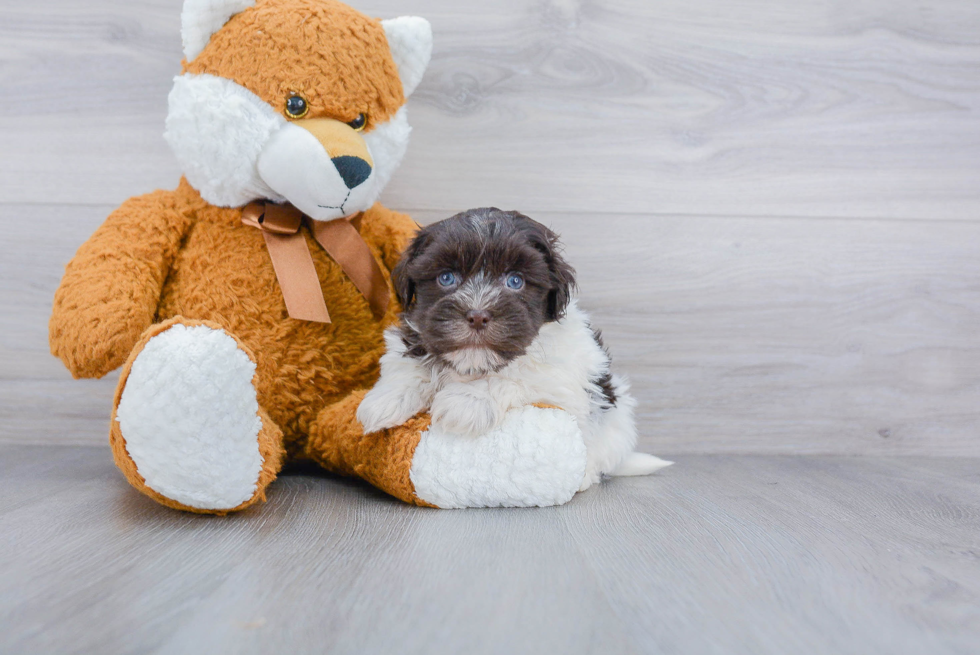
386	407
465	413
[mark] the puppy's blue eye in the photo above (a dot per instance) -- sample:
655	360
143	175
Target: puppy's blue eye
515	281
447	279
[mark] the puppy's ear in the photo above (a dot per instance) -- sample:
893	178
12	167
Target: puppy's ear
561	273
563	282
401	276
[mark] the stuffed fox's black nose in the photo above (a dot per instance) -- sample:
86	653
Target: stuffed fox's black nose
354	170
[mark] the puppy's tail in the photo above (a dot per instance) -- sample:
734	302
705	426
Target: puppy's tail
639	464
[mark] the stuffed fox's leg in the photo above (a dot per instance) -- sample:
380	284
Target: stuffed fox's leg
535	458
187	429
383	458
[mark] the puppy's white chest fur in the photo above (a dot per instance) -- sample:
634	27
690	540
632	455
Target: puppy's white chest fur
565	366
561	367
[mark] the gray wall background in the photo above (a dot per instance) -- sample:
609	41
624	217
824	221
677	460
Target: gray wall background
774	207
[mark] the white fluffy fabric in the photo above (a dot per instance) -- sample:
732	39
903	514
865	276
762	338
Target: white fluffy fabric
189	415
410	41
560	368
200	19
295	166
235	148
536	458
217	129
387	144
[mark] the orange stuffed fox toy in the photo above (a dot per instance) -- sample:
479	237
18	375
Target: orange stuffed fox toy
246	307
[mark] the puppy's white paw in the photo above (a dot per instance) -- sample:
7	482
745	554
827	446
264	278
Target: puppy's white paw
462	412
387	406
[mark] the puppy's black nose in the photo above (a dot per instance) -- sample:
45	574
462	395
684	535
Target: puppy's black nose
354	170
478	318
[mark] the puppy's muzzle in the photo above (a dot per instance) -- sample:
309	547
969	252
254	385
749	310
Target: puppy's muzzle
478	319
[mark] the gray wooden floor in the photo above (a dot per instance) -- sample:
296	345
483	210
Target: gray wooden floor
775	212
721	554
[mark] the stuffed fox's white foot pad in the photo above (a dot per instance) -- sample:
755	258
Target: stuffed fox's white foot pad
536	458
189	415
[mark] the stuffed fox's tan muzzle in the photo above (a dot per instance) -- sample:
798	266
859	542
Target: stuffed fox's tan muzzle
316	164
320	165
344	145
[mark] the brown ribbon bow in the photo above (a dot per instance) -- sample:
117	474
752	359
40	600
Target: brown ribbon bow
291	258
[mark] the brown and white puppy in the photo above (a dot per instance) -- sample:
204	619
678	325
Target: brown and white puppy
490	325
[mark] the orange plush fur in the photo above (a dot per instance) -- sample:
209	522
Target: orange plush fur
274	51
171	257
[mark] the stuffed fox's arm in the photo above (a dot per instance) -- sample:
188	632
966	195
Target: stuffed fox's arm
111	288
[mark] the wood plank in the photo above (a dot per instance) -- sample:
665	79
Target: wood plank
740	335
717	554
787	336
40	241
753	335
866	109
40	403
56	412
798	554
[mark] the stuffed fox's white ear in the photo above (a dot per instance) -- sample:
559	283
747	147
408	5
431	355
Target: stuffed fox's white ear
202	18
410	40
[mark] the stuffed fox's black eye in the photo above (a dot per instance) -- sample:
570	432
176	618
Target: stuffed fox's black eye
359	122
296	107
